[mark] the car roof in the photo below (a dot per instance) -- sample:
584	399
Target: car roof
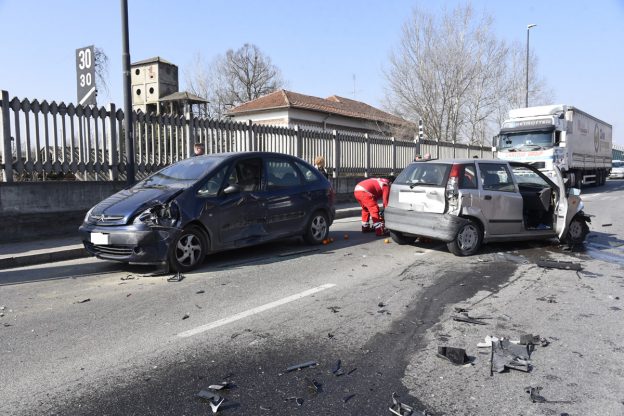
451	161
232	155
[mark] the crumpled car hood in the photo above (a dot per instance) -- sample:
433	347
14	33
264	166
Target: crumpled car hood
129	202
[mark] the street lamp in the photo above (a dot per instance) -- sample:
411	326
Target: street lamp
526	101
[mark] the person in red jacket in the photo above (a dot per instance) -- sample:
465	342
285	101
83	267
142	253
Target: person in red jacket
367	193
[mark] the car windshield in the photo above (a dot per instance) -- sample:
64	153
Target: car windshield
181	174
423	173
525	141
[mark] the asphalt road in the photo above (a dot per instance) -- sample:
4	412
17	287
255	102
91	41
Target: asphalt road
92	337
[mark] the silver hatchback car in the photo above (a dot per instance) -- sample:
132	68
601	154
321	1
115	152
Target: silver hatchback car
466	203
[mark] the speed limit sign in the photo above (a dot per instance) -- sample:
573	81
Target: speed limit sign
85	72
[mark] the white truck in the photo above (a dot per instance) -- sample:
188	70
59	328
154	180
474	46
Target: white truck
562	135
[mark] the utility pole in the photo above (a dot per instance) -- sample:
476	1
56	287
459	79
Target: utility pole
526	101
127	93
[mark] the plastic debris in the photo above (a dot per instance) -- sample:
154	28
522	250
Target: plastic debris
456	356
337	369
84	300
297	400
314	386
468	319
199	292
220	386
186	316
508	355
301	366
527	339
347	398
607	225
176	277
334	309
400	409
213	399
128	277
534	394
564	265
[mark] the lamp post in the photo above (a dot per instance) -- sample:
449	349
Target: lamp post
526	101
129	138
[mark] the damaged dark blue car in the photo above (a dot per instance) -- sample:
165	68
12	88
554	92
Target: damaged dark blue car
211	203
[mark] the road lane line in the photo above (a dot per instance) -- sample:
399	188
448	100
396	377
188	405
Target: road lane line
250	312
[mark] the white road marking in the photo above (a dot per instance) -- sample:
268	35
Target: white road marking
250	312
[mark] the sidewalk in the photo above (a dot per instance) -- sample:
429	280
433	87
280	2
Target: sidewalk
30	253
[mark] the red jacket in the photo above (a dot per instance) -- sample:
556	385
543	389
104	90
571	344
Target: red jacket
377	187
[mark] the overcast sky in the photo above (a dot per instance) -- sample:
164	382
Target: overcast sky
323	47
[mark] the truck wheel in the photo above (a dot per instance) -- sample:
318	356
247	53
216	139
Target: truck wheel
188	250
400	239
577	231
468	239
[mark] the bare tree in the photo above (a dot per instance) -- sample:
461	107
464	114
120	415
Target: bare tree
101	69
234	78
454	74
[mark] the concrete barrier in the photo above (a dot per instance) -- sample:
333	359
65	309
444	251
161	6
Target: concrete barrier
34	210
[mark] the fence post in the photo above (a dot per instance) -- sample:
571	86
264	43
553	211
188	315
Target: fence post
367	156
394	155
7	154
298	142
190	134
112	146
249	136
336	161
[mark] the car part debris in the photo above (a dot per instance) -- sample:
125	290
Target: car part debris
186	316
176	277
487	343
220	386
534	394
400	409
527	339
128	277
297	400
334	309
460	310
353	370
549	299
468	319
213	399
607	225
301	366
381	304
508	355
544	342
563	265
84	300
199	292
337	369
347	398
314	386
456	356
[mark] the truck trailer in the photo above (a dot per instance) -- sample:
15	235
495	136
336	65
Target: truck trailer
561	135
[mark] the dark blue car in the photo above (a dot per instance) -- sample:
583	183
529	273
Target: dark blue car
211	203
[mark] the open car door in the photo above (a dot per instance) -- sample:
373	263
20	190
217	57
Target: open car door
563	216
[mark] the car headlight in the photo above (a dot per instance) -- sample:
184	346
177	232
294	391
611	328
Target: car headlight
166	215
88	214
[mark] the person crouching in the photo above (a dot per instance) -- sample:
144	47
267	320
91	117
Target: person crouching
367	193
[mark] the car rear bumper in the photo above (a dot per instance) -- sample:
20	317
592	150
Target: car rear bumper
130	244
437	226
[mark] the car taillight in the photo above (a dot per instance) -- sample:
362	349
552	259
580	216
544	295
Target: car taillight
452	185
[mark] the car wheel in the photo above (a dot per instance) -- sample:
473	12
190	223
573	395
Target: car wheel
188	250
400	239
317	229
468	239
577	231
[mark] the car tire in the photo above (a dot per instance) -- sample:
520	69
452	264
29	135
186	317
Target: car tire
468	239
400	239
317	228
577	231
188	250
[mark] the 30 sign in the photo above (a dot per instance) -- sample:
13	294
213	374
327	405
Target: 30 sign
85	75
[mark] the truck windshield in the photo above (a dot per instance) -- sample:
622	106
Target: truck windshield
523	141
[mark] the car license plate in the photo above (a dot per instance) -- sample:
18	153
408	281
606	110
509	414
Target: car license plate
100	239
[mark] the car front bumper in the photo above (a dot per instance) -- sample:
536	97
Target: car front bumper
437	226
135	244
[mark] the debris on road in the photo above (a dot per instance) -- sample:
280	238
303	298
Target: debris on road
487	343
549	299
534	394
347	398
508	355
314	386
526	339
301	366
563	265
607	225
297	400
199	292
213	399
176	277
128	277
186	316
456	356
84	300
337	369
220	386
400	409
468	319
334	309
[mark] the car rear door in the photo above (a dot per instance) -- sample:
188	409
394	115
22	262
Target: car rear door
499	199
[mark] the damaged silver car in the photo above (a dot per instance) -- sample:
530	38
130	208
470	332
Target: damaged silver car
211	203
466	203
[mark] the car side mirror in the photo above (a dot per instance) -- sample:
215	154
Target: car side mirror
232	189
575	191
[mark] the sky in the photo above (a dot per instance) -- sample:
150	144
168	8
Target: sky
322	47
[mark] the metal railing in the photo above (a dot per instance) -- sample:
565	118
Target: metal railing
52	141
